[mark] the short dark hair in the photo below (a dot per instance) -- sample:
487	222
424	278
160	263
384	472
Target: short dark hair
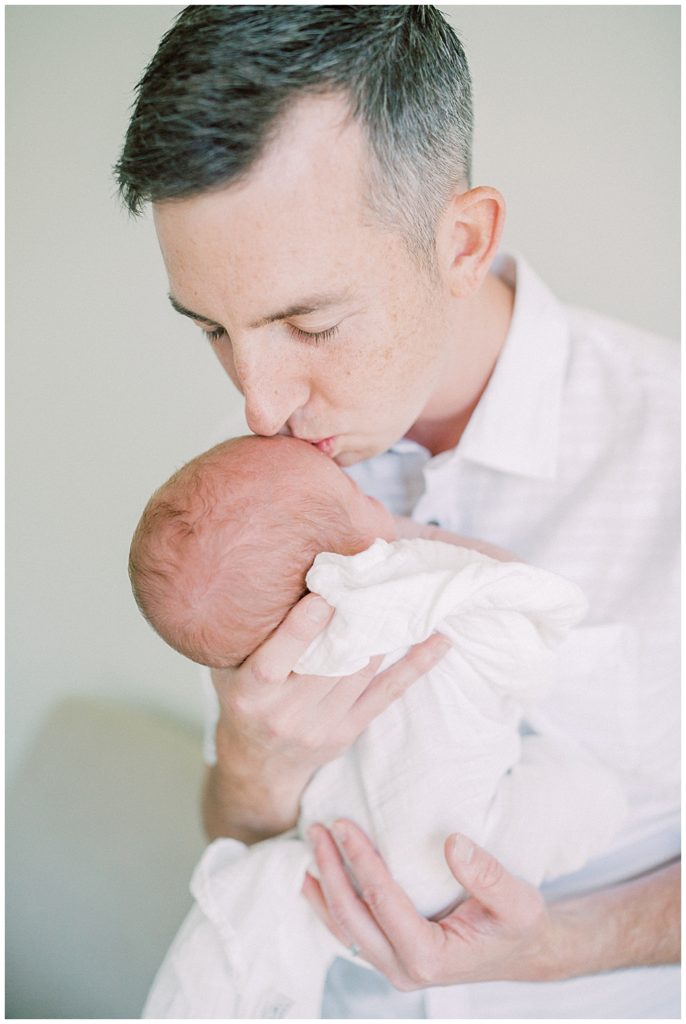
213	94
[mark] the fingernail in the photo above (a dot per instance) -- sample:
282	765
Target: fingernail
318	610
463	848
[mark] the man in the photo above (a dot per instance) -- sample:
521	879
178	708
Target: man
309	174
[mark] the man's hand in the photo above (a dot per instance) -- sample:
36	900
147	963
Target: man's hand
488	936
503	931
276	728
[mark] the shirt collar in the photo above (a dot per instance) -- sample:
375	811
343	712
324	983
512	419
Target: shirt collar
515	428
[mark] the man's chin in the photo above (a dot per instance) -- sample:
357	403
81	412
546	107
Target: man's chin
349	458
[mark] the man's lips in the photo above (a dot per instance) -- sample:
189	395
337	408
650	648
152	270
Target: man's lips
325	445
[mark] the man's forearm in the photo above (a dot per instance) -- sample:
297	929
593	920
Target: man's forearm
244	800
635	924
231	810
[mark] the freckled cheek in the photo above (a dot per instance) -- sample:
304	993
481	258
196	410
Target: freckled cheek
357	371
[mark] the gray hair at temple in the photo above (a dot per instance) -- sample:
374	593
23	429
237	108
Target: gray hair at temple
214	94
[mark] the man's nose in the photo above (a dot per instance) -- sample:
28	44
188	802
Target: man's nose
273	389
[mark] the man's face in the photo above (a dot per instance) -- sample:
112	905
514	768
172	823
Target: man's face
320	317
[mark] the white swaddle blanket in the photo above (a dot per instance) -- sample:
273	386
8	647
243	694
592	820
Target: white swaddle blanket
448	756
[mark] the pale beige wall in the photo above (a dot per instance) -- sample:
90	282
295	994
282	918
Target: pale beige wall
577	123
106	393
109	391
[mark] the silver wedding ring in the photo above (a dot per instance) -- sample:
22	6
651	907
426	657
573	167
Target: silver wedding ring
354	949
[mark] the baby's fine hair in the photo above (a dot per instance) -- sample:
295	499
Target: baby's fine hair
222	549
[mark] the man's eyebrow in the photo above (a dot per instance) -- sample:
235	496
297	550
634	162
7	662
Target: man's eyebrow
308	305
189	312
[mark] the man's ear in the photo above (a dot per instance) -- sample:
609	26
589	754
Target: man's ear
467	238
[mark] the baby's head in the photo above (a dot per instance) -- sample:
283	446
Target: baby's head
222	549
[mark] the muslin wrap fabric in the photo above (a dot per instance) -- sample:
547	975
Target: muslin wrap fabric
453	754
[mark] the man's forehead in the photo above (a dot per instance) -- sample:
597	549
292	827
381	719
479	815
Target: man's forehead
315	117
288	239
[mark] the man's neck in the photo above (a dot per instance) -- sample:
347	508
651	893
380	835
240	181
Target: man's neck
468	369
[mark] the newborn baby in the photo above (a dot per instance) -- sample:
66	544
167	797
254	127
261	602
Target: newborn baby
222	549
221	553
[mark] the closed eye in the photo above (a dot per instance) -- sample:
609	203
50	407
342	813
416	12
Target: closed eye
214	334
313	337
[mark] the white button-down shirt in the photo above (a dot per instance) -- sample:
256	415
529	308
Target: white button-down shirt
570	461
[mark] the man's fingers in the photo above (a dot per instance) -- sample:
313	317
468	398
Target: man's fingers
507	898
388	903
273	661
394	681
345	694
351	920
312	891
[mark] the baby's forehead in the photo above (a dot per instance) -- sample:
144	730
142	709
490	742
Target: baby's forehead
260	461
